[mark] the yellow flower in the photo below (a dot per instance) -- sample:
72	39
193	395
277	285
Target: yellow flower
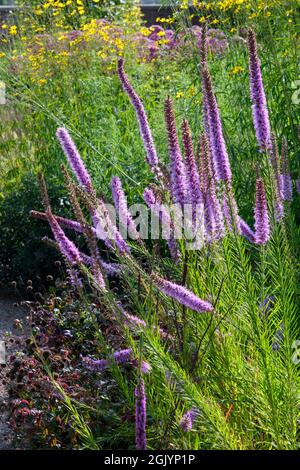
2	54
236	69
192	91
42	81
13	30
102	55
145	31
179	95
38	11
4	26
233	30
168	77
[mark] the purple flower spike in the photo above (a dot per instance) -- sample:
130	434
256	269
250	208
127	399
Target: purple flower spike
70	224
120	202
187	420
120	357
246	231
182	295
74	158
262	226
217	143
231	210
286	187
286	182
213	217
162	213
140	417
145	130
145	367
94	365
259	103
106	229
177	169
133	321
191	167
275	162
66	246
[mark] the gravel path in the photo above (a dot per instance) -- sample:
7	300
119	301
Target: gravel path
8	314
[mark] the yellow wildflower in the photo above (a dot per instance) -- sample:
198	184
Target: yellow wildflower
42	81
2	54
13	30
102	55
179	95
192	91
236	69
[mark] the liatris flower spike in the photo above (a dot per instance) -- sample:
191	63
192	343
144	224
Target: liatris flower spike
191	166
74	158
121	206
217	143
121	357
140	417
145	130
162	213
177	169
66	246
286	183
70	224
262	226
259	103
187	420
182	295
